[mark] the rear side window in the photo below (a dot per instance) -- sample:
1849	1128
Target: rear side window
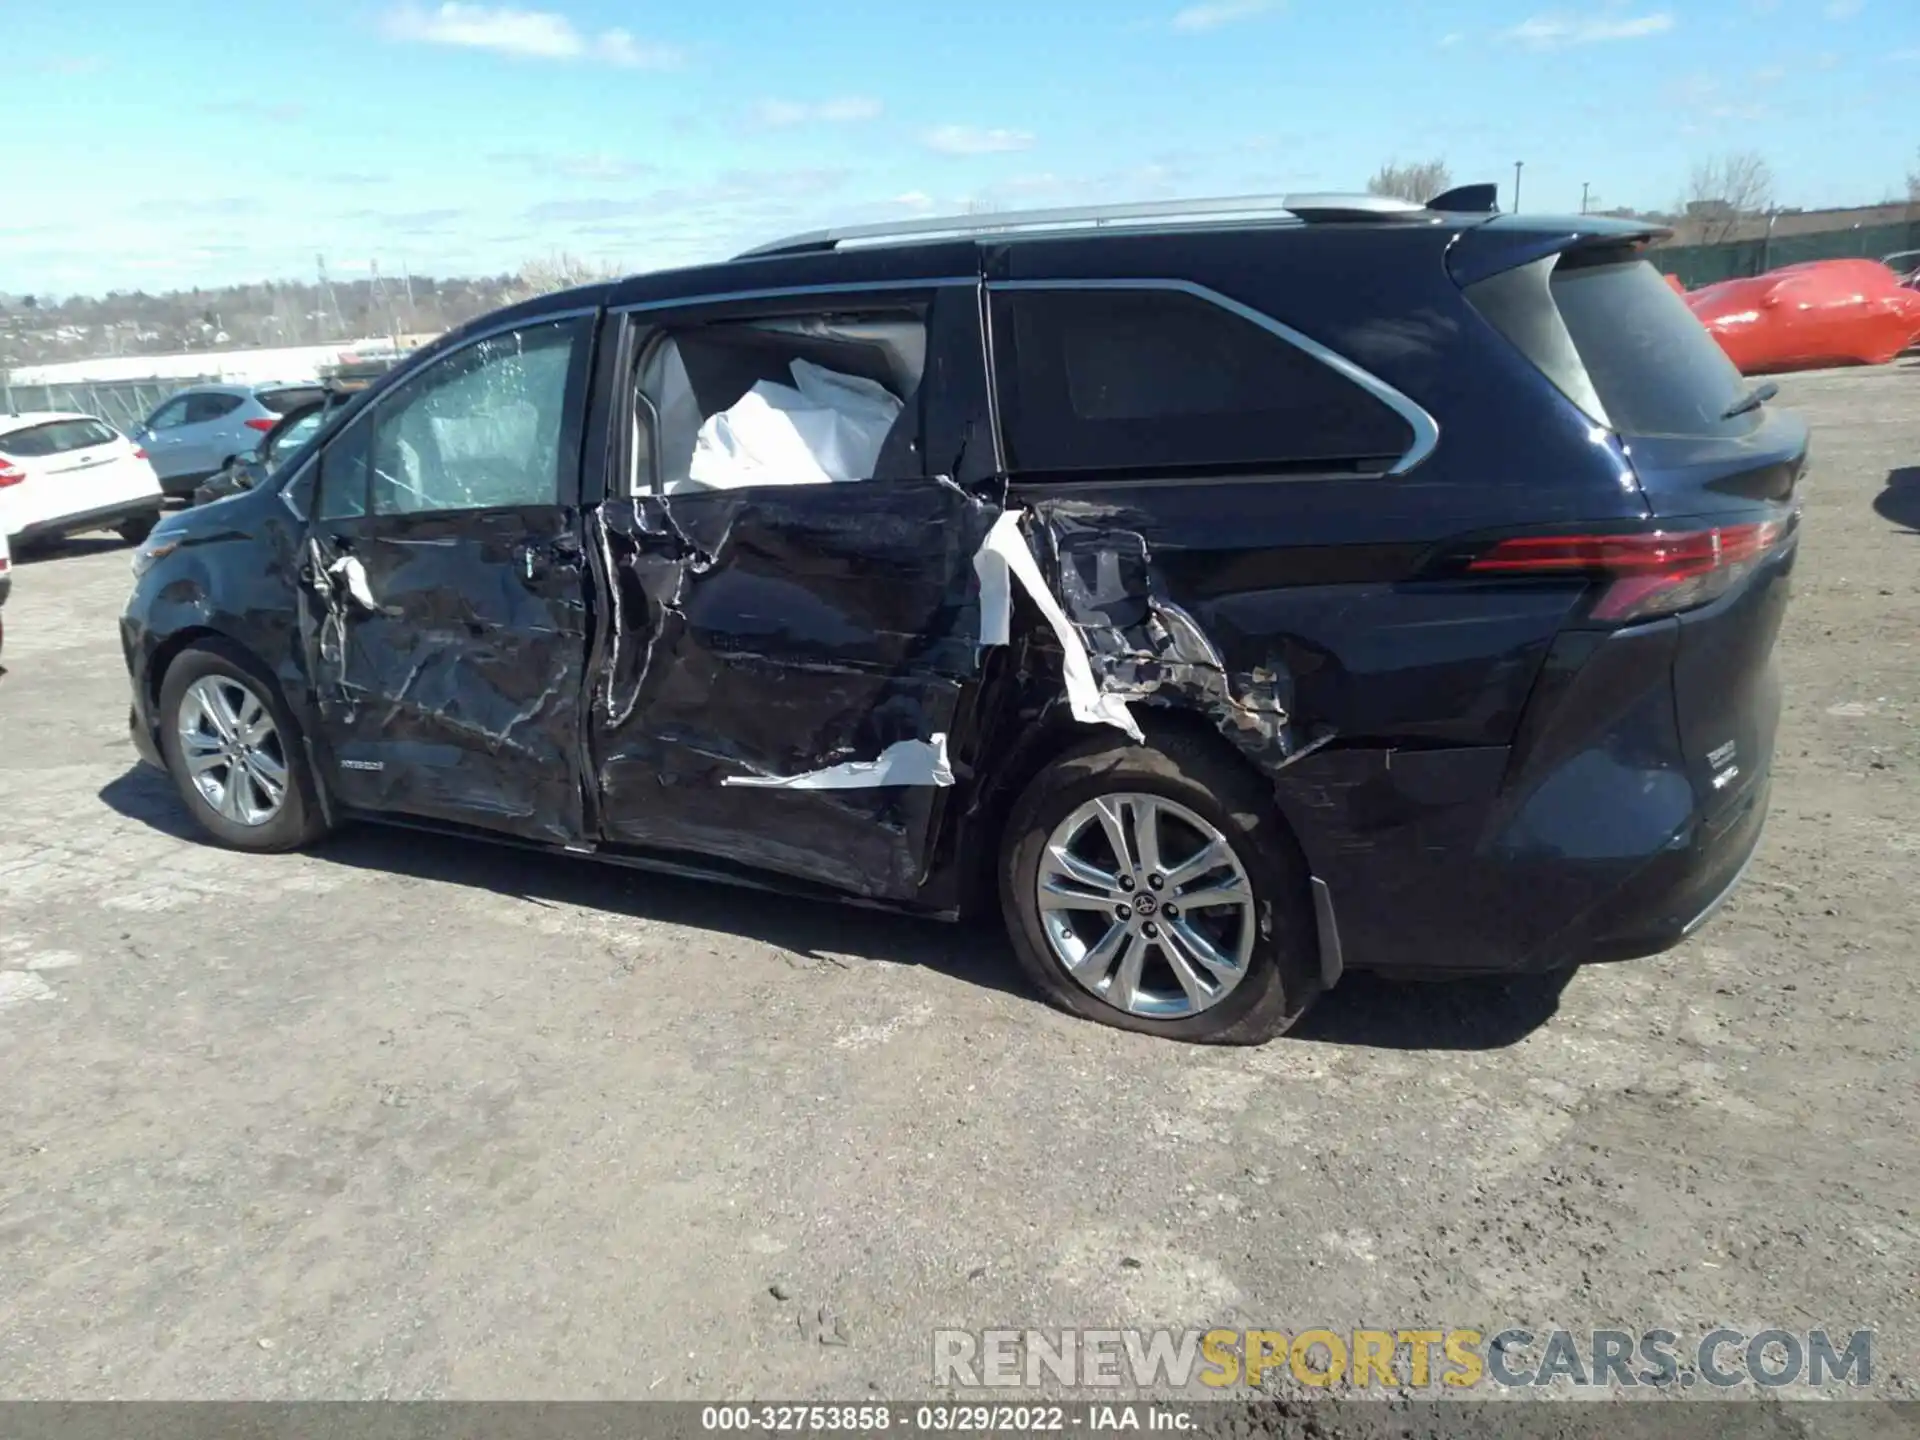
1119	380
1618	342
56	437
281	401
202	408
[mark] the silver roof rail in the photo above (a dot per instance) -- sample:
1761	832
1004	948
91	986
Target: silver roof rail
1151	212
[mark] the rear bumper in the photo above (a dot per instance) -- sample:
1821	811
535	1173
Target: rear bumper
1674	896
103	518
1590	838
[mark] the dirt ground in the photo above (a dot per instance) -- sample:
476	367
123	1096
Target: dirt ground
416	1118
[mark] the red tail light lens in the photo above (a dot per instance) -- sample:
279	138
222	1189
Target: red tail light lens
262	424
139	453
10	474
1652	574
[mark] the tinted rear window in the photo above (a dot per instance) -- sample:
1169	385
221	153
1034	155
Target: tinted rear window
55	438
1653	365
1117	380
281	401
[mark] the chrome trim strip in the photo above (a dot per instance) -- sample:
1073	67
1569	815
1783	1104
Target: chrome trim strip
1426	431
1714	906
983	304
1332	962
782	292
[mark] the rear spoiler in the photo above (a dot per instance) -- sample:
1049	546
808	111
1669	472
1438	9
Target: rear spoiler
1505	242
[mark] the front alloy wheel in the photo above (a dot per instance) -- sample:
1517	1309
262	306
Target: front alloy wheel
233	752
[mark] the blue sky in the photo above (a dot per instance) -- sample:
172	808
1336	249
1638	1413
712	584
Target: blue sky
198	142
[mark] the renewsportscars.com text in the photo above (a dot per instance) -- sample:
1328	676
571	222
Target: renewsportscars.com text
1414	1358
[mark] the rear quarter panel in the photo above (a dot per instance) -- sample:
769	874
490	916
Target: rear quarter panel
1402	692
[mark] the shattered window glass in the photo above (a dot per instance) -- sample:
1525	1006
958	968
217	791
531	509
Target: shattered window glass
480	430
343	475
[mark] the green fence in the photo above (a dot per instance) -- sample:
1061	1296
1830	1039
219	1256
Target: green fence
124	404
1696	265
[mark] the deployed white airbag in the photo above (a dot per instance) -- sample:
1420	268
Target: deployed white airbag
822	428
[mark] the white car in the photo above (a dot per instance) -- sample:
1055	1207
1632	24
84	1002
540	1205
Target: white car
62	473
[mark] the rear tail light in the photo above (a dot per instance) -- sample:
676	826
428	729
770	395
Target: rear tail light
10	474
139	452
1647	575
261	423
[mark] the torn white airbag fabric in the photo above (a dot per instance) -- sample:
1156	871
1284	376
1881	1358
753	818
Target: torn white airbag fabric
905	762
1003	554
825	427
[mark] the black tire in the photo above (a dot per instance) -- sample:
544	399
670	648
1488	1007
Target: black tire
1281	977
299	820
137	529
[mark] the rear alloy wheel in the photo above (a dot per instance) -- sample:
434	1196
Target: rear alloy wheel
1154	887
234	754
1146	906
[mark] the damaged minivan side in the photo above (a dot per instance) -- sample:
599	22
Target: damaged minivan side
1228	605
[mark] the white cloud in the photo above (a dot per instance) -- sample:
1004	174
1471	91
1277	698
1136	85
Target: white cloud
1212	14
1451	39
971	140
528	34
916	200
842	110
1844	9
618	47
1769	74
1559	30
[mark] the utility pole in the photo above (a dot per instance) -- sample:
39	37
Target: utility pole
1518	166
325	297
1583	195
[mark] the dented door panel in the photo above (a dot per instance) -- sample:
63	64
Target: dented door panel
773	635
444	605
448	681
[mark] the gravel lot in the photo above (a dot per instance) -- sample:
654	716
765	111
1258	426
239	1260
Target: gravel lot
418	1118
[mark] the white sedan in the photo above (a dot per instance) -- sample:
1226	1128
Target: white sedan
62	473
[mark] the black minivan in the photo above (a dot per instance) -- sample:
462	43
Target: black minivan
1231	593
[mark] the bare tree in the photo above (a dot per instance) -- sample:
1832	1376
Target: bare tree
1913	184
1725	191
1418	181
560	271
